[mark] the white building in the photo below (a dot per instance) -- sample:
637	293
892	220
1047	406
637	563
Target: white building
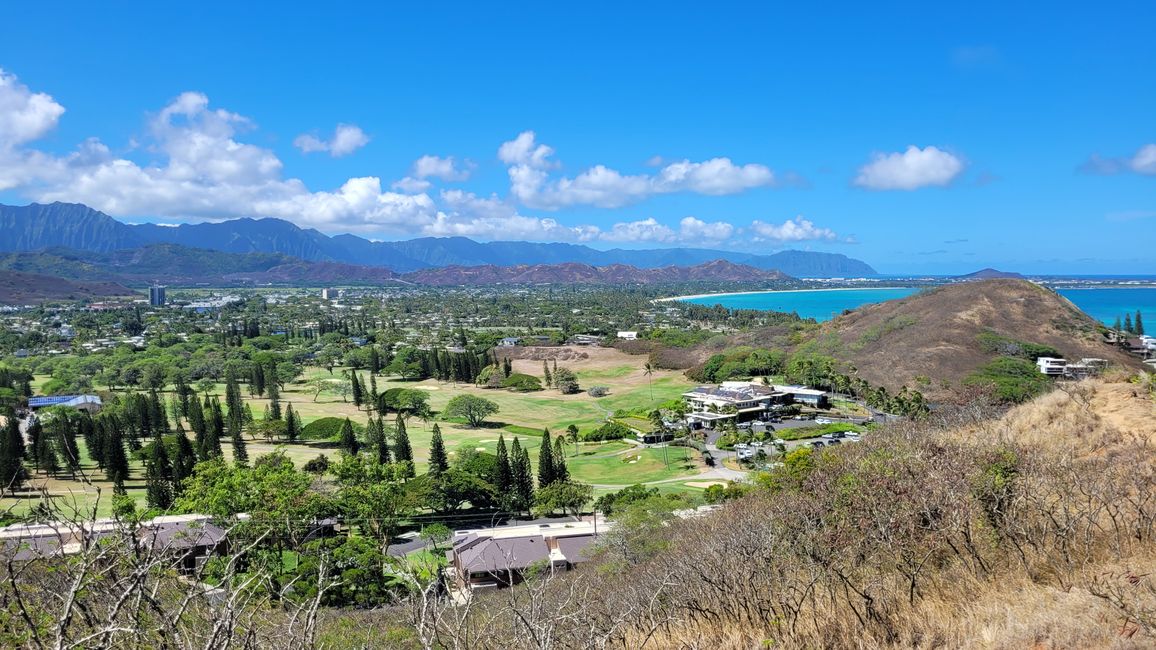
628	336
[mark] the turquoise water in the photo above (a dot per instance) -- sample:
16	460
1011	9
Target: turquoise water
1102	304
1106	304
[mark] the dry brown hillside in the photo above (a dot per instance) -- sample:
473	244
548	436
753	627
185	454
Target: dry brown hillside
935	334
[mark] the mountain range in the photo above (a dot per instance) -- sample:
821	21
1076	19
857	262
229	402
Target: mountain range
78	227
184	266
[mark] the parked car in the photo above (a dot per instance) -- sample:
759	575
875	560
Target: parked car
823	421
816	444
835	441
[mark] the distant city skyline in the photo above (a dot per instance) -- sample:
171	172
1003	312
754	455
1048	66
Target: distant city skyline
914	139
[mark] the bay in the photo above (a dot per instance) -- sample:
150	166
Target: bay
1103	304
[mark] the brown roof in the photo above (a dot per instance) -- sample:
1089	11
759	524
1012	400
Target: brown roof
182	535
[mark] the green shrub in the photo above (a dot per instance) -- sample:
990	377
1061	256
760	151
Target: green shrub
521	383
327	429
1012	380
608	431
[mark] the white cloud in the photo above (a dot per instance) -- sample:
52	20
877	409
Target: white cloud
205	172
411	185
791	230
603	187
645	230
909	170
1144	162
523	150
24	115
447	169
692	229
346	139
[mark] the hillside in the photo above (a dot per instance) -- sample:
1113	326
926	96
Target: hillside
945	334
74	226
572	273
18	288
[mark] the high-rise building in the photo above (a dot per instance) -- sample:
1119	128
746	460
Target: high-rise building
157	296
329	294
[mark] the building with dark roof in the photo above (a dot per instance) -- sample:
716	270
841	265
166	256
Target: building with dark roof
500	557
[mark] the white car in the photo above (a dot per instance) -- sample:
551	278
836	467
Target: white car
823	421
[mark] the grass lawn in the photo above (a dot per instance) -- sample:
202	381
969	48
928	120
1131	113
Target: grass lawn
520	414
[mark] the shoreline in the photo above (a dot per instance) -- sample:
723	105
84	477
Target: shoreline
748	293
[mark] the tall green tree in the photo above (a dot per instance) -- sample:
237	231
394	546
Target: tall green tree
546	464
356	389
184	459
1128	324
348	439
116	463
12	472
438	461
561	472
522	477
292	424
547	378
1138	324
503	480
381	444
273	389
403	451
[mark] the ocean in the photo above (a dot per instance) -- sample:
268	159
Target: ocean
1102	304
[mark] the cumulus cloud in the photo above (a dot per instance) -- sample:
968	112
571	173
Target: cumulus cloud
910	169
426	167
201	168
693	229
791	230
204	172
24	115
447	169
600	186
346	139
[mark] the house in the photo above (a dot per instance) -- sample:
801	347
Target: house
585	339
628	336
499	557
509	342
803	395
1051	366
190	539
741	400
90	403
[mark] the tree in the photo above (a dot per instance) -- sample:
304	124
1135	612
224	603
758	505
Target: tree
12	473
381	443
471	407
292	424
274	393
572	434
546	377
1128	324
567	496
521	478
402	449
438	462
648	370
1138	324
356	389
566	381
561	472
184	460
348	439
546	464
503	481
1118	325
115	461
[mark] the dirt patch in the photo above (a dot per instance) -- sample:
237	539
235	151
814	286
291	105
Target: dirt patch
705	484
561	353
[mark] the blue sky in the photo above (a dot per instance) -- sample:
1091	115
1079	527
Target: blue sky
917	139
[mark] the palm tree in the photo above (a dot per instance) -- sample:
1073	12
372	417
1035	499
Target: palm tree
648	370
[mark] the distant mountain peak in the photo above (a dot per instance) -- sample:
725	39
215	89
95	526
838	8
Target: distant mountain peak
990	274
